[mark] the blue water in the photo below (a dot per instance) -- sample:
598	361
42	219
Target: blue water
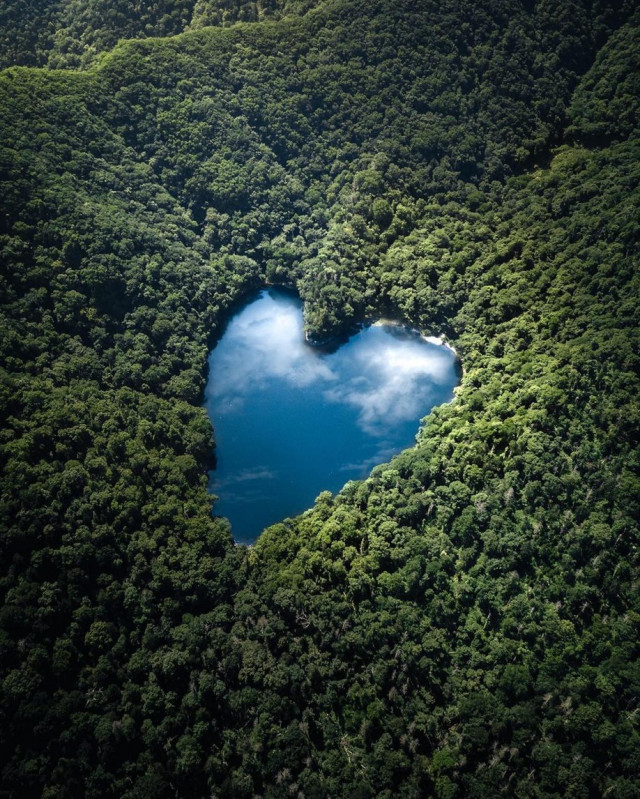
291	420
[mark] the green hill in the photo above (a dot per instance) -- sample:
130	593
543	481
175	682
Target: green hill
465	621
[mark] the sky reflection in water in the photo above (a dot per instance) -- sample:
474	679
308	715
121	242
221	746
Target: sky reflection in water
291	421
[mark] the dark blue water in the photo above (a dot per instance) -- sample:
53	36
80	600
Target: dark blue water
291	421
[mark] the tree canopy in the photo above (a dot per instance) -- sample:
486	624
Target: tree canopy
465	621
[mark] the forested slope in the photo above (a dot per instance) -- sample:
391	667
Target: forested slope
73	33
462	623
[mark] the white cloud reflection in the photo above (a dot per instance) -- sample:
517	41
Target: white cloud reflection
363	467
259	473
386	374
392	382
268	342
245	483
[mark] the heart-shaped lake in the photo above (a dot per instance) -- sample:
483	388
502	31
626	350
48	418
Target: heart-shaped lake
291	420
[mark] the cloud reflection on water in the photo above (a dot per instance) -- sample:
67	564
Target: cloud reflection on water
269	343
291	420
362	468
258	473
384	376
392	382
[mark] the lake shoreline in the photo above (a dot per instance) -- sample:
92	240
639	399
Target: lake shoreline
292	420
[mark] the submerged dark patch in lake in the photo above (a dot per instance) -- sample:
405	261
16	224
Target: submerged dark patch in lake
291	420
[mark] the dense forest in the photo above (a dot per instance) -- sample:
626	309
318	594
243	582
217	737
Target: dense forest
73	33
464	622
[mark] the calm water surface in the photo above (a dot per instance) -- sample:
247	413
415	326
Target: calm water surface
291	421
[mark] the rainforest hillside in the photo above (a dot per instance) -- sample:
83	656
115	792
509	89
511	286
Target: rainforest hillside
72	33
463	623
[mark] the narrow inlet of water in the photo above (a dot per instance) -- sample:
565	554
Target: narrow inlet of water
291	420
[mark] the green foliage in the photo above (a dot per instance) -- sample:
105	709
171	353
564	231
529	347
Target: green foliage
464	621
73	33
